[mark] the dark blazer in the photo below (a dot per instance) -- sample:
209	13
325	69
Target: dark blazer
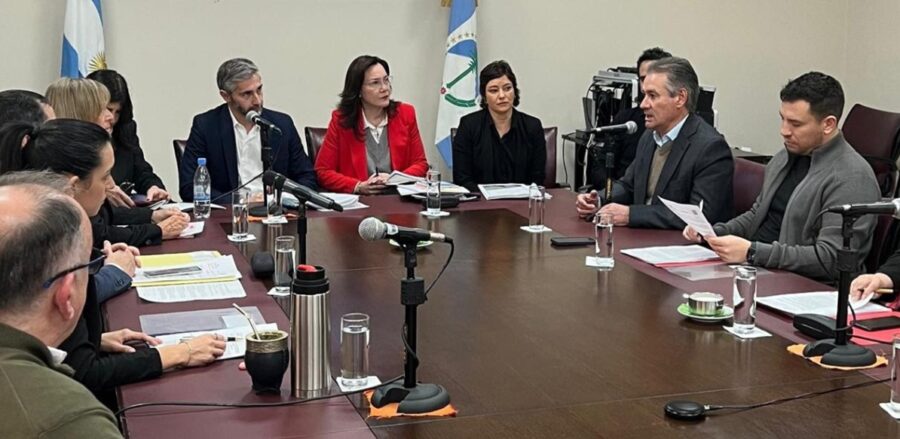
212	136
139	230
891	268
130	164
99	371
473	156
699	167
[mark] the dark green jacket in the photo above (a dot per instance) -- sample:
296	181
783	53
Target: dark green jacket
38	400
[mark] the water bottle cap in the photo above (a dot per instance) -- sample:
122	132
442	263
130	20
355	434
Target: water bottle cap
201	161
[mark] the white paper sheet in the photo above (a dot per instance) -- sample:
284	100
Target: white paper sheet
691	215
185	207
193	229
421	188
191	292
398	178
233	349
819	302
672	254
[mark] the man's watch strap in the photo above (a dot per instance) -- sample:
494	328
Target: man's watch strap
751	253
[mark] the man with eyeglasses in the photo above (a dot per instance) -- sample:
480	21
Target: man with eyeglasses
232	144
45	258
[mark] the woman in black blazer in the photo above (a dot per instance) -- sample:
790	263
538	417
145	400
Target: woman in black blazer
499	144
130	165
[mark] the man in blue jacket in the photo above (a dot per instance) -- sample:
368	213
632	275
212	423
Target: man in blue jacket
232	144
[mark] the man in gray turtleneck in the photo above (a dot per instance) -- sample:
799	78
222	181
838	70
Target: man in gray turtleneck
816	170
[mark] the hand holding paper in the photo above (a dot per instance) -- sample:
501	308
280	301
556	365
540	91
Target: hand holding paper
691	215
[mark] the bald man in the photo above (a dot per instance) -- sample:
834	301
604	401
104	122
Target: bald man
45	249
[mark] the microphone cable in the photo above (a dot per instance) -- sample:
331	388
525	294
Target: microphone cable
250	404
404	330
807	395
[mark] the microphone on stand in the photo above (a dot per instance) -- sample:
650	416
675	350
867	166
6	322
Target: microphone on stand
303	193
253	116
372	229
882	208
623	128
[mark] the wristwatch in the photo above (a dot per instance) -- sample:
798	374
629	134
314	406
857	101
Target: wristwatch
751	253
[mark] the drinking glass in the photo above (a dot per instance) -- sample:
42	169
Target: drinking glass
603	242
536	196
433	193
240	224
354	349
285	260
744	299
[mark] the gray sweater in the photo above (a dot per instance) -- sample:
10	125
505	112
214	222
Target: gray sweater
837	175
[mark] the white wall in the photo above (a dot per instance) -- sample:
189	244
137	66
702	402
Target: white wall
169	51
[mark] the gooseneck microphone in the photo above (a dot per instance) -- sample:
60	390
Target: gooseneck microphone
883	208
280	182
623	128
372	229
253	116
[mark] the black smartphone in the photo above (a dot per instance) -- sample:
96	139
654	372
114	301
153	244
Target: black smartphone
564	241
879	323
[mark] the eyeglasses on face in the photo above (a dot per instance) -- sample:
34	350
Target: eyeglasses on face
93	267
378	83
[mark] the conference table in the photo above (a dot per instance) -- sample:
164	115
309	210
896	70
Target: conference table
527	340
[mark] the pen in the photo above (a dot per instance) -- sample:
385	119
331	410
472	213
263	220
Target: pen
187	339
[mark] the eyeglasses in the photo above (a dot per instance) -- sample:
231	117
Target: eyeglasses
378	83
93	267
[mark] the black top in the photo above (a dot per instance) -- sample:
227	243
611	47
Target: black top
771	226
624	150
481	156
130	164
99	371
138	231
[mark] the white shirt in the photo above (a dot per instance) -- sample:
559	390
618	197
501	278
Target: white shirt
670	136
249	154
57	356
375	130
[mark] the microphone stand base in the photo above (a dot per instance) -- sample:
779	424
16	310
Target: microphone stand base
423	398
841	355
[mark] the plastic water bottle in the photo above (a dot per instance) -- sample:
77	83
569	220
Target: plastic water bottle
201	190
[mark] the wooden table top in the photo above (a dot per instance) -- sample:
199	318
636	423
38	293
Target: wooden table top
526	339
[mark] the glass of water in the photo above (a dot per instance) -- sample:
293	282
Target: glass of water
240	224
536	196
603	242
744	299
283	276
433	193
895	374
354	349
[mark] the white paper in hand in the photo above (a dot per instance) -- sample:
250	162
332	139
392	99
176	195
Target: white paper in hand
691	215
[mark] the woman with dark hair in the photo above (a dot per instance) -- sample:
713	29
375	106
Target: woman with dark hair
370	134
130	163
82	152
499	144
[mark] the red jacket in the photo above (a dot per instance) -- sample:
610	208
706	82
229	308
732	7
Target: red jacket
341	162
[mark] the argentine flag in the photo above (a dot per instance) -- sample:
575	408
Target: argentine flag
82	46
459	87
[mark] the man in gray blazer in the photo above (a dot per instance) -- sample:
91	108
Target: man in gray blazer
680	157
816	169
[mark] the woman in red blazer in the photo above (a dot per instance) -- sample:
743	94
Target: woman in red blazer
369	135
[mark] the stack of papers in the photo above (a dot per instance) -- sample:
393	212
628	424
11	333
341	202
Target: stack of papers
236	347
184	207
819	302
421	188
208	320
397	178
348	201
188	276
507	191
672	255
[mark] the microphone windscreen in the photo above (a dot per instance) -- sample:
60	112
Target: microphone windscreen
631	127
269	178
263	265
252	114
371	229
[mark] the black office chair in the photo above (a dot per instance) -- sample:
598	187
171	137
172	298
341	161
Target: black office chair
875	135
314	139
178	146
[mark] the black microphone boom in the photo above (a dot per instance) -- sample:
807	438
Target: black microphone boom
883	208
280	182
623	128
253	116
372	229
